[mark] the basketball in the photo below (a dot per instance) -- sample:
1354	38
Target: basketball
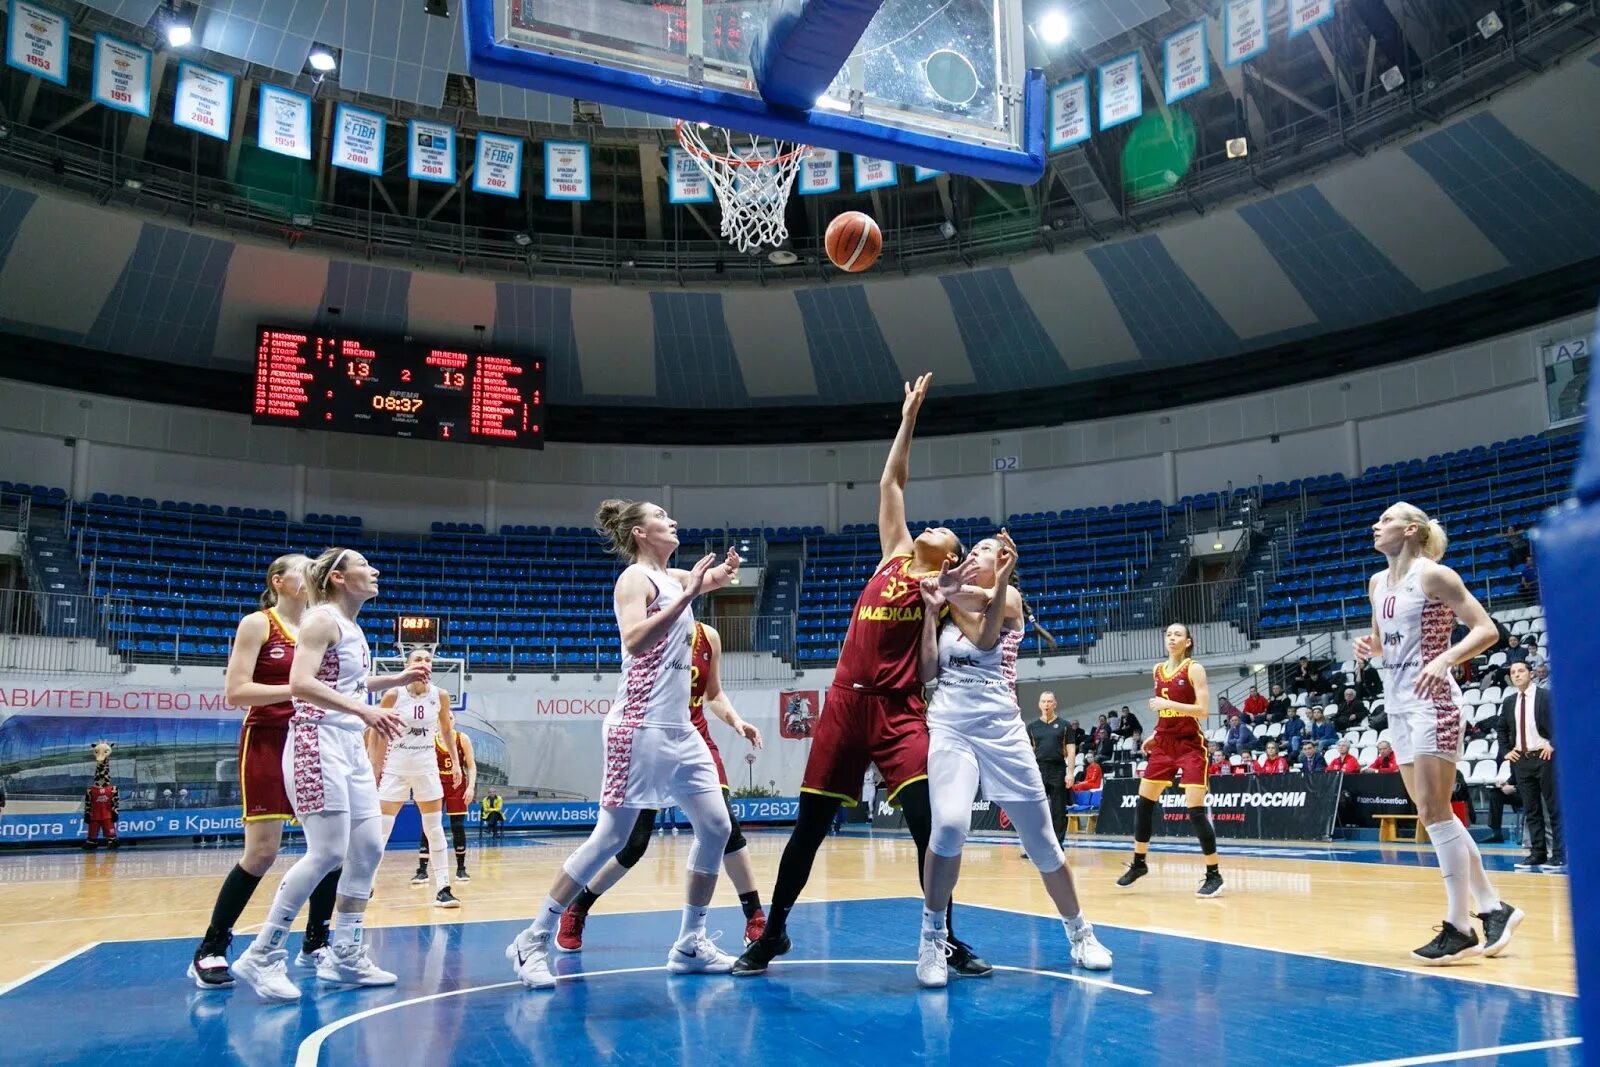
853	241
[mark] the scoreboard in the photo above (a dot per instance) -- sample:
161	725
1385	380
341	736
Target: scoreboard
334	380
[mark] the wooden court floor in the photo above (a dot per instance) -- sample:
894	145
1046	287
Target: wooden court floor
1372	906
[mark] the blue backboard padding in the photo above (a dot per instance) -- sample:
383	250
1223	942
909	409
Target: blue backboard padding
803	46
606	85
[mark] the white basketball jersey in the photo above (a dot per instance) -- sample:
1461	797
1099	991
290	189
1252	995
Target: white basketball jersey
344	667
654	690
420	713
1413	630
974	683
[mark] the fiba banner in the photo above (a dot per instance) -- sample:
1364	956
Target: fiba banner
1304	14
1244	30
1186	66
687	182
819	172
1069	113
497	167
358	140
1121	94
283	122
36	41
873	173
204	101
1274	807
430	152
566	170
121	75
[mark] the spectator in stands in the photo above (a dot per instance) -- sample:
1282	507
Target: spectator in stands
1502	794
1321	731
1344	761
1536	654
1271	762
1304	679
1278	706
1241	741
1129	726
1349	712
1311	761
1090	778
1255	708
1528	580
1385	762
1103	742
1293	727
1541	674
1219	762
1515	652
1226	708
1518	551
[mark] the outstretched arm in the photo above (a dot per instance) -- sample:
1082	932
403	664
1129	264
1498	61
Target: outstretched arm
893	534
717	700
641	630
928	648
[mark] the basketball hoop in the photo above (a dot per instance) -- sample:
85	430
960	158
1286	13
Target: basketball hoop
751	175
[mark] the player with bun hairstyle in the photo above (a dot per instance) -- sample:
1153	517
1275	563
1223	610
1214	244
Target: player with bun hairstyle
653	754
1416	601
975	731
258	678
1176	747
332	789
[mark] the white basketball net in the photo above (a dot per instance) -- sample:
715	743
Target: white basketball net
751	175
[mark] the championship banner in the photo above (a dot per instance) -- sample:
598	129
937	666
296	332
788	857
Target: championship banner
1304	14
203	101
1069	113
358	140
687	182
566	170
430	152
121	75
1244	30
1274	807
36	41
1186	64
922	174
283	122
497	167
873	173
819	172
1121	95
1369	795
797	713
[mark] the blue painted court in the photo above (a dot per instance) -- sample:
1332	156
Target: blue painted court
846	995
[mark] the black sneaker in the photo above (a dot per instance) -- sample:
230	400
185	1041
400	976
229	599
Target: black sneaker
1531	862
421	877
761	952
1136	870
1498	926
446	899
209	968
965	962
1212	886
462	875
1449	946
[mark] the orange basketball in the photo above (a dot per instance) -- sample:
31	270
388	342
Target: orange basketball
853	241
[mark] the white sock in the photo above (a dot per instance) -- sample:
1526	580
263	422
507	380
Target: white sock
347	927
276	927
1450	843
1073	923
549	916
1483	890
694	922
932	921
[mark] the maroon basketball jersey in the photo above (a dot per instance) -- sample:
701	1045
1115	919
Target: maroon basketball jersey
272	668
455	797
699	675
881	647
1177	688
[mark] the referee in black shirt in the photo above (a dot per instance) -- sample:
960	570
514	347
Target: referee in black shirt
1053	748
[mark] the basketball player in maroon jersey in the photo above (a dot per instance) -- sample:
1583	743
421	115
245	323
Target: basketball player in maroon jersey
258	677
874	709
705	690
1177	747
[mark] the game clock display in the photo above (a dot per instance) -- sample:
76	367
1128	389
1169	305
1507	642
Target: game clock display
333	380
416	630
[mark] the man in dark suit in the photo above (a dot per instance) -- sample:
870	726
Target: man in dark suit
1527	740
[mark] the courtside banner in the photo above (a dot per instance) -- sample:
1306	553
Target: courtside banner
1370	795
1274	807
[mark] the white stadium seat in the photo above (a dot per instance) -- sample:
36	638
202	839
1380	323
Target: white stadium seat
1482	773
1368	755
1493	694
1369	738
1478	750
1385	735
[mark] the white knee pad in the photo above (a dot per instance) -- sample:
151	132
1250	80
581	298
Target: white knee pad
711	830
361	858
610	834
433	829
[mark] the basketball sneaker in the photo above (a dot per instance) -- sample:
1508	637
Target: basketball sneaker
461	873
569	935
754	927
1136	870
268	974
1087	951
965	962
1449	946
1212	885
1498	926
446	899
762	951
933	955
421	877
209	968
309	959
530	956
350	965
699	955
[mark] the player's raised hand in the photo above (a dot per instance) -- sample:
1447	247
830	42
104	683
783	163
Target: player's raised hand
932	596
730	565
1005	558
916	393
415	672
697	575
952	578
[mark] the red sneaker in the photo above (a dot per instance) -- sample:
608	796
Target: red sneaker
755	927
569	937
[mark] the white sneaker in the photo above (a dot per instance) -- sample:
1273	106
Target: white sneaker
1087	951
530	956
700	956
310	961
350	965
267	973
932	971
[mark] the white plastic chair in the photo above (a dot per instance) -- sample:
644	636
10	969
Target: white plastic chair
1519	627
1494	695
1369	738
1478	749
1386	735
1497	660
1482	773
1275	729
1367	755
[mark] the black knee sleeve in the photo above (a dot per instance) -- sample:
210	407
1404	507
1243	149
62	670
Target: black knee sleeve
1203	830
1144	819
736	839
639	839
458	832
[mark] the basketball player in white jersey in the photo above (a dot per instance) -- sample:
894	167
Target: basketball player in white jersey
1415	604
407	767
654	757
329	778
975	731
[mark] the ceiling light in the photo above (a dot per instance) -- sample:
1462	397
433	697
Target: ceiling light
321	59
522	239
1054	27
301	219
179	34
1490	25
133	183
948	229
1392	79
1216	546
1238	148
782	257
